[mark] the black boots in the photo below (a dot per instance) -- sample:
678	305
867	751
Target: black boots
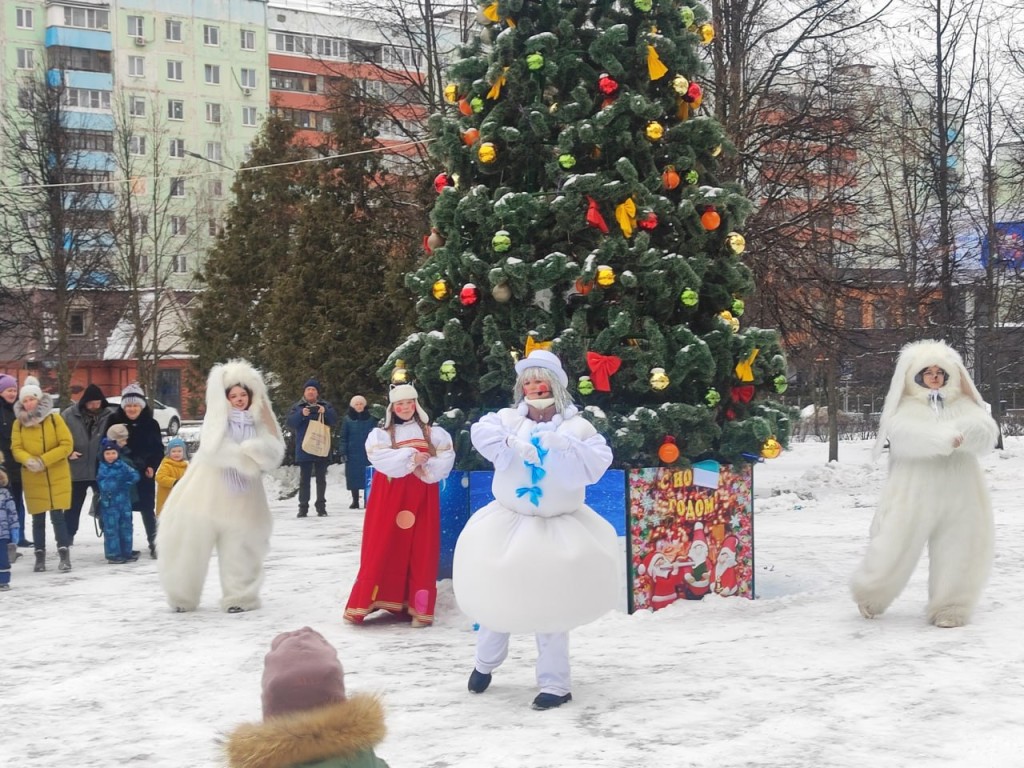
355	500
303	511
40	560
65	559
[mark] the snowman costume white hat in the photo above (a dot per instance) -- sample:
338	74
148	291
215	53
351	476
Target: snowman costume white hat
541	358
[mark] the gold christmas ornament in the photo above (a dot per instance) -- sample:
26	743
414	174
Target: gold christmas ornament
399	375
440	290
706	33
487	153
451	93
731	321
717	150
654	130
680	85
605	276
771	448
737	242
659	379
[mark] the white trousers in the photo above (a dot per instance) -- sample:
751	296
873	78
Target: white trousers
552	658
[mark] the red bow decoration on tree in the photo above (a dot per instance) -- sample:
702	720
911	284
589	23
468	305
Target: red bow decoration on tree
602	367
742	394
594	217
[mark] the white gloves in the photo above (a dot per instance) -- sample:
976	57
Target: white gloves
552	441
527	451
35	464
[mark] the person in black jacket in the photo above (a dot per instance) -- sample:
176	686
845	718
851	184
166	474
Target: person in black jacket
8	396
87	419
146	452
308	408
354	430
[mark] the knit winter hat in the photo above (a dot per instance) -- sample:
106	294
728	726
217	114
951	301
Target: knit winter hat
312	383
107	444
30	389
118	432
176	442
7	381
133	394
301	672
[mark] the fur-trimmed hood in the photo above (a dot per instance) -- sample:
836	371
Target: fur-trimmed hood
342	730
914	358
36	416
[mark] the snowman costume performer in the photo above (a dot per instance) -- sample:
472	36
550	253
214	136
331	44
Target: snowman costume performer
220	502
937	426
537	559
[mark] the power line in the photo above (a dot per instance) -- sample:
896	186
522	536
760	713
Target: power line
137	179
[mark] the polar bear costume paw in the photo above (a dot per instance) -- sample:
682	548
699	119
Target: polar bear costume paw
950	616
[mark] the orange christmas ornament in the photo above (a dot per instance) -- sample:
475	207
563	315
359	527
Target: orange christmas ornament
710	219
669	451
670	177
465	107
469	136
583	287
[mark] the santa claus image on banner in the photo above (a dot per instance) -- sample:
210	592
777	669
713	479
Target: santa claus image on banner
726	578
697	571
666	577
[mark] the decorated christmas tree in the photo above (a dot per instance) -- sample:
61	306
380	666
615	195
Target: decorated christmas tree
579	210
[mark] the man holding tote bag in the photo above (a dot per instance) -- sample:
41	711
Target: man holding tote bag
311	410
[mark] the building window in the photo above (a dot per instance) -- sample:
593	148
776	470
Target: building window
174	71
175	109
215	228
211	35
26	98
136	26
212	74
76	322
216	187
102	141
87	18
137	145
136	66
249	116
177	190
84	98
172	31
27	59
137	106
177	148
178	226
248	77
294	43
213	151
292	81
66	57
331	47
25	20
248	40
178	261
140	224
212	113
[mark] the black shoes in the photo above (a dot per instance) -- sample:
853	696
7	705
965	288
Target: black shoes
116	560
236	609
478	681
302	513
152	551
550	700
322	513
133	556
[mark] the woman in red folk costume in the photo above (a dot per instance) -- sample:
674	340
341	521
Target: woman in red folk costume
402	527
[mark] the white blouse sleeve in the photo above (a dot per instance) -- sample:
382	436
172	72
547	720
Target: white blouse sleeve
439	466
393	462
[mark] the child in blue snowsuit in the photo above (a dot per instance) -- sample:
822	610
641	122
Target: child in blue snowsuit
115	478
9	531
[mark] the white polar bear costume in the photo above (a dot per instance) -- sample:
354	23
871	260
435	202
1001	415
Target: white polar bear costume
206	509
935	492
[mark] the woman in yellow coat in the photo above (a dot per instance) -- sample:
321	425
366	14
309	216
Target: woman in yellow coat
41	442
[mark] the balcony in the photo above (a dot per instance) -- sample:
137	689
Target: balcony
69	78
79	38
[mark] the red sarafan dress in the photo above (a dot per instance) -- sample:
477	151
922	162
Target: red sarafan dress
402	525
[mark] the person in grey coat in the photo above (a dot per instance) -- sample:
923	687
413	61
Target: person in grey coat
87	419
354	430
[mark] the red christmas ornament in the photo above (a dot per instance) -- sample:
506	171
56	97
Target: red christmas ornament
742	394
606	85
648	222
469	295
693	93
441	181
710	219
594	217
465	107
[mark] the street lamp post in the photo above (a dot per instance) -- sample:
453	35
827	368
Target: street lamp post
208	160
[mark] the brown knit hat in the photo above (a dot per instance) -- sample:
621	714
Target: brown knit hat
302	671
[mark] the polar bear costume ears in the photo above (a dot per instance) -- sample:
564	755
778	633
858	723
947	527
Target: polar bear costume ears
915	357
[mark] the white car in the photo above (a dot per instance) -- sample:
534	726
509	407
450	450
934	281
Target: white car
166	416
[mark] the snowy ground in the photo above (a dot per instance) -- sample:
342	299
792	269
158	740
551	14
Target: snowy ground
98	672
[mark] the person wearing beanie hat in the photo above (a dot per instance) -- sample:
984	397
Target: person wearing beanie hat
311	408
308	720
220	501
115	478
171	470
145	452
8	396
537	558
41	442
87	419
401	544
937	426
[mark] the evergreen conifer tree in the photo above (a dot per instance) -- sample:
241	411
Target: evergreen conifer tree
579	206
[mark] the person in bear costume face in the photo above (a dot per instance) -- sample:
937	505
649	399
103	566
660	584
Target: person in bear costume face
937	426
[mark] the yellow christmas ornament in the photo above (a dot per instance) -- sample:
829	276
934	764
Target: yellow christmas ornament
532	344
655	130
487	153
655	68
491	13
605	276
706	33
399	375
495	91
771	448
737	243
680	85
745	368
451	93
625	214
659	379
717	150
731	321
439	290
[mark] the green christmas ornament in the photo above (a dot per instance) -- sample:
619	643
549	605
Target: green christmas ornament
689	297
448	371
586	386
737	307
501	241
692	177
567	161
642	5
476	104
781	385
712	398
534	61
686	14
